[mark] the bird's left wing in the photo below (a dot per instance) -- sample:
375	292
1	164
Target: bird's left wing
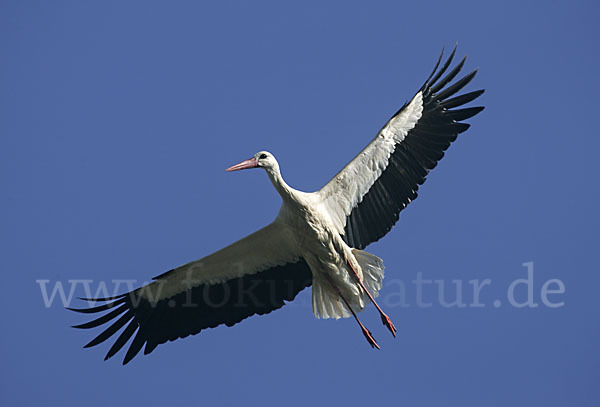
255	275
365	198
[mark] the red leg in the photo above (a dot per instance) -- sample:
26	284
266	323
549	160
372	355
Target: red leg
365	331
384	318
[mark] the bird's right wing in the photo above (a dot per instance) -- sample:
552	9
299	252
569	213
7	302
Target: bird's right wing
365	198
255	275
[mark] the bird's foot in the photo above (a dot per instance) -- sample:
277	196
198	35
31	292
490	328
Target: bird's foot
388	324
370	338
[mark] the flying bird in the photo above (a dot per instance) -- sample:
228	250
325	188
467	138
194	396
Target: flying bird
316	239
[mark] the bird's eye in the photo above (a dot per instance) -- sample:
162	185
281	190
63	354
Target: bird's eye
262	157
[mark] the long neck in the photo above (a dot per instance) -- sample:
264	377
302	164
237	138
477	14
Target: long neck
286	192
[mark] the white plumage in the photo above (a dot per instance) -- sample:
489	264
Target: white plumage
315	240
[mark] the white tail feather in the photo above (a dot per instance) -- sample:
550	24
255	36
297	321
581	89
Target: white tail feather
372	269
327	302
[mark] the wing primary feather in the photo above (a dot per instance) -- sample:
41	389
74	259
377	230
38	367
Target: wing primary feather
451	90
445	130
446	65
451	75
122	339
103	319
116	297
135	346
108	332
462	99
150	346
464	128
435	68
463	114
98	308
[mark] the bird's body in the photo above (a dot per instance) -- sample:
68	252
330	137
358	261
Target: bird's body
316	239
303	218
325	252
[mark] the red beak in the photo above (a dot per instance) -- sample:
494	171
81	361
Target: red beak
251	163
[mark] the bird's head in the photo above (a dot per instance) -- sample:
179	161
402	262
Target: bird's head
262	159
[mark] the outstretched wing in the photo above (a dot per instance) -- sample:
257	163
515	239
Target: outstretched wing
365	198
252	276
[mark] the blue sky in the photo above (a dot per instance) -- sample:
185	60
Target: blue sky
118	118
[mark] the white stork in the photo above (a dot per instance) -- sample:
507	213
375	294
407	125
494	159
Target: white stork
315	240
